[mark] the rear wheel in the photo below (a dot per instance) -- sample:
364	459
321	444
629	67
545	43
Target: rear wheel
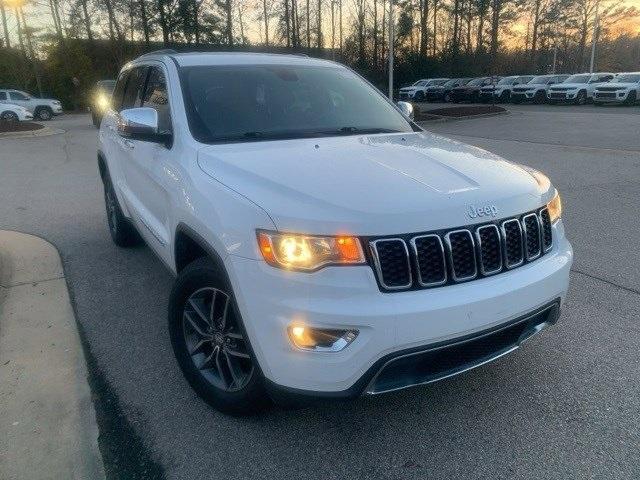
210	343
505	96
122	232
539	98
9	117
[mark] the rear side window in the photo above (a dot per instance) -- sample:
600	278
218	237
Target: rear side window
118	92
156	97
135	85
17	96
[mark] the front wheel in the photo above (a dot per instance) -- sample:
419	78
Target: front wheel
631	98
44	113
539	98
210	343
447	98
419	97
581	98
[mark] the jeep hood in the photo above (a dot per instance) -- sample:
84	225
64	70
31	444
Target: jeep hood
372	185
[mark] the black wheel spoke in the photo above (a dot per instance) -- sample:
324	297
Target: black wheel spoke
210	361
199	347
236	353
237	377
200	312
196	323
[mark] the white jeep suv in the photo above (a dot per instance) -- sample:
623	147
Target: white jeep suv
625	88
324	244
418	91
577	89
41	108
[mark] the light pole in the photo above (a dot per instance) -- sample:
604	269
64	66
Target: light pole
391	36
596	32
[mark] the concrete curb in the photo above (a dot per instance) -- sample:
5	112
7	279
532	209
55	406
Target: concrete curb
466	117
43	132
48	427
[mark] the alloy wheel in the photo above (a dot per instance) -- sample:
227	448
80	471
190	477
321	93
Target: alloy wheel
112	212
9	117
214	341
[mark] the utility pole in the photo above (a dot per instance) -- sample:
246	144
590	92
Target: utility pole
555	58
7	42
391	36
596	32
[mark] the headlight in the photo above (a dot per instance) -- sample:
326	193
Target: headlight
102	101
555	208
308	252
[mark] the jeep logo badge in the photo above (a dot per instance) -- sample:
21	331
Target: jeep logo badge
483	211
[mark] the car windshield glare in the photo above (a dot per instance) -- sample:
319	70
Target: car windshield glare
627	78
507	81
578	79
477	82
540	79
227	103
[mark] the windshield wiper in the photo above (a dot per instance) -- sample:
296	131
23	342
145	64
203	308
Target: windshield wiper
356	130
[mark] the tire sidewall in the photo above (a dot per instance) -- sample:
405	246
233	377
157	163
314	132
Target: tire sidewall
252	398
44	113
9	116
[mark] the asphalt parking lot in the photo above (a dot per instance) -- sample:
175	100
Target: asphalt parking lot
567	405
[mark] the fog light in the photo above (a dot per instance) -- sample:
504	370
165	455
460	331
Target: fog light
321	339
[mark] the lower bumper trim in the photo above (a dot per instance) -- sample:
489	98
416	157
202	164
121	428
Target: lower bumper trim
427	364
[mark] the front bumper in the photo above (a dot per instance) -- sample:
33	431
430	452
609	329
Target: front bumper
610	97
389	324
562	96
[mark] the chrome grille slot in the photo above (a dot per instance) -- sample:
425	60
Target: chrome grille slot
532	241
391	259
547	236
512	243
429	255
444	257
489	249
462	255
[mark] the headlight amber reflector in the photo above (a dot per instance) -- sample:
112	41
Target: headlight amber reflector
555	208
308	252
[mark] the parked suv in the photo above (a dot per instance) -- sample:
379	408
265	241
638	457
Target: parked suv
501	91
470	91
417	91
578	88
443	92
625	88
536	89
41	108
324	245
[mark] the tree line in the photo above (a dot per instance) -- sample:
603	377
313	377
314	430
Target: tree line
65	45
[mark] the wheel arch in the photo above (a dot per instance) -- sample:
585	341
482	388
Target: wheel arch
102	166
189	245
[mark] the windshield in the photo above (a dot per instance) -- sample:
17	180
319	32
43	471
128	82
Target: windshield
476	82
507	81
261	102
441	81
420	83
578	79
627	78
453	82
540	79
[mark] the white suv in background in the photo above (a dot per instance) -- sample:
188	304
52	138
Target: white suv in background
324	245
417	91
577	88
14	113
625	88
535	90
41	108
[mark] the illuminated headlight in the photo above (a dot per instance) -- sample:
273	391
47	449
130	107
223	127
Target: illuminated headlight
308	252
102	101
321	339
555	208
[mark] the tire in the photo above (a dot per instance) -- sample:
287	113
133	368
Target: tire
505	96
43	113
231	380
9	117
122	231
581	98
475	98
447	98
631	99
419	97
95	119
539	98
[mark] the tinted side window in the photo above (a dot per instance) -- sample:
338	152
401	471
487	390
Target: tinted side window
156	97
135	85
17	96
3	95
118	92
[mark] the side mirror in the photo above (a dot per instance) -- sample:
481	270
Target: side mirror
407	109
141	124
